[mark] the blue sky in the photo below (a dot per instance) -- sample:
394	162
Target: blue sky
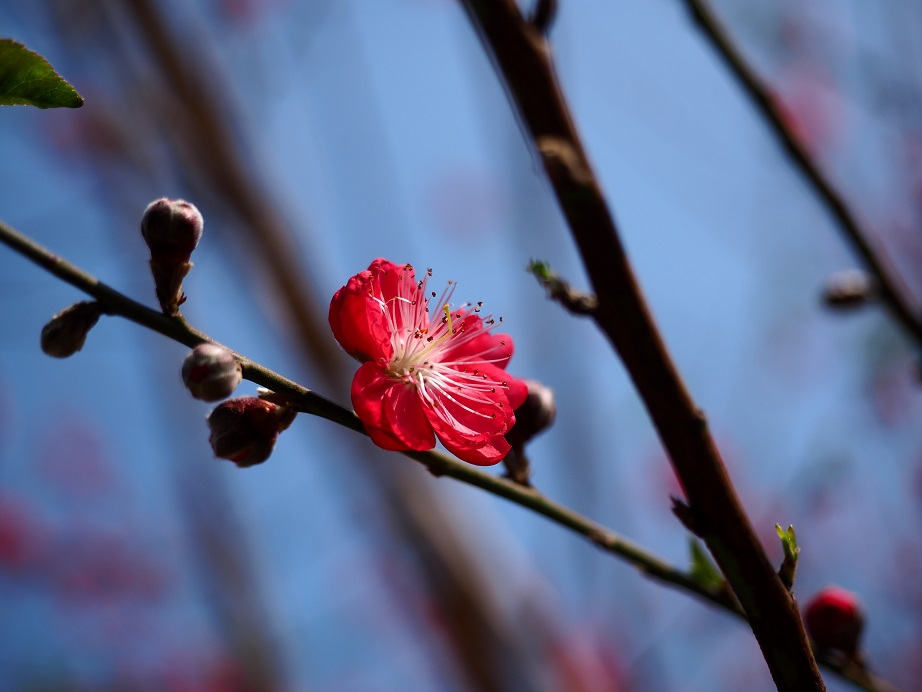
380	129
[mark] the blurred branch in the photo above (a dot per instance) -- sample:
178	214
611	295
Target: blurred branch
439	464
891	289
522	57
195	102
209	138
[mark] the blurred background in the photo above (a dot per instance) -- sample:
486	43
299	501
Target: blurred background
318	135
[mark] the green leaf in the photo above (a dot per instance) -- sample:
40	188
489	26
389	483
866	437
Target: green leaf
541	270
26	79
788	542
703	569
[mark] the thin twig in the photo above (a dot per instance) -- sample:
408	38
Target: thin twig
439	464
577	302
891	288
522	58
308	401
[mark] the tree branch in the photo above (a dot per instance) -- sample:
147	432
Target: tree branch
891	289
522	57
307	401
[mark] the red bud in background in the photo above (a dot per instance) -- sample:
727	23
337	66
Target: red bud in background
834	620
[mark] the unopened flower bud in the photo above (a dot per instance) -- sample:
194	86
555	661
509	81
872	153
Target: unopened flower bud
211	372
537	413
172	229
849	289
66	333
834	620
244	430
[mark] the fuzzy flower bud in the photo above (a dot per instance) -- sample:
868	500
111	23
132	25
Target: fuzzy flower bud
171	229
211	372
244	430
537	413
66	333
834	620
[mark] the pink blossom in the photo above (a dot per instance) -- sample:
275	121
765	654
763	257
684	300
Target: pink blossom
429	368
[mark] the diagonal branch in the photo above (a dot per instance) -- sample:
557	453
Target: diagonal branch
891	288
307	401
523	61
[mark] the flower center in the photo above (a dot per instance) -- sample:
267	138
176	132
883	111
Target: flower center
428	341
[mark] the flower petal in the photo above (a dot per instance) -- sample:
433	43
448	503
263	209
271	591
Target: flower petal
358	322
369	387
405	417
484	454
480	343
515	390
393	279
470	422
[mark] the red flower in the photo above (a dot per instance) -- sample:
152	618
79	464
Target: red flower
428	369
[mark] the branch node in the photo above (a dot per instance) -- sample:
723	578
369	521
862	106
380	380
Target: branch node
577	302
562	161
600	539
687	516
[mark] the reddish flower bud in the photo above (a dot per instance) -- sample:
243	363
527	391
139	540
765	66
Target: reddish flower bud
66	333
537	412
211	372
172	229
849	289
244	430
834	620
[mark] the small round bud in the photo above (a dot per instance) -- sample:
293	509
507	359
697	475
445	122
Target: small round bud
244	430
537	412
211	372
849	289
834	620
66	333
171	229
